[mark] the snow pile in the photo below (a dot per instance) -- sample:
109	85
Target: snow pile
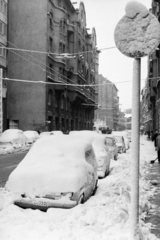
104	216
54	164
137	34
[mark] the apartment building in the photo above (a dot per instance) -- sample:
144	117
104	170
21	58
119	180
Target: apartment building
3	63
151	95
56	69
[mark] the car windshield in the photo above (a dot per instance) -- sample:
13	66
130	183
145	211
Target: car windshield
109	141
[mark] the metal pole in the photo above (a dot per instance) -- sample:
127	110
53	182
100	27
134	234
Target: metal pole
135	148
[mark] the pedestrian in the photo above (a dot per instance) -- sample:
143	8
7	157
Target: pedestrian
154	138
158	146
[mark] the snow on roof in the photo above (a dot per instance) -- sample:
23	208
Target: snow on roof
137	34
55	163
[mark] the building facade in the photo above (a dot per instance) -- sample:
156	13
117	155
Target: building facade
151	93
3	63
56	88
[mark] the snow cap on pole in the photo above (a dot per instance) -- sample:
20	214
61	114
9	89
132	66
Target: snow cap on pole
137	34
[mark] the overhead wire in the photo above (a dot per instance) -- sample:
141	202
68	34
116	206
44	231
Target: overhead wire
65	84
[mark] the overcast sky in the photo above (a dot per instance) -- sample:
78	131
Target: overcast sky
104	15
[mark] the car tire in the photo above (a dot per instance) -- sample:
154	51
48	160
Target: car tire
115	157
124	150
81	199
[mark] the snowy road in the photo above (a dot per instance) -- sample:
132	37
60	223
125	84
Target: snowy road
104	216
8	163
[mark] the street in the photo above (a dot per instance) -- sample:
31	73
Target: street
104	214
8	163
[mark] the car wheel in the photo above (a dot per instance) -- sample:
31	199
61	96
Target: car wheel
124	150
81	199
115	157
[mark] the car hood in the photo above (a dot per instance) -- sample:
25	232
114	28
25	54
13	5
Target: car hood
39	183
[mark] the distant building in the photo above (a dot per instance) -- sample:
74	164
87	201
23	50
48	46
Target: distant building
64	54
108	103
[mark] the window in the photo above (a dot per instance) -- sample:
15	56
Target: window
2	51
60	26
60	48
51	68
51	20
5	8
1	27
50	97
62	103
63	48
50	44
4	30
13	124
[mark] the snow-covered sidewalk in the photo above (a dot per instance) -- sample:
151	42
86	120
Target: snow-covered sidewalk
103	216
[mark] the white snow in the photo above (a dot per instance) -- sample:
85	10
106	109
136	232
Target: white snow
104	216
12	140
32	136
133	8
137	34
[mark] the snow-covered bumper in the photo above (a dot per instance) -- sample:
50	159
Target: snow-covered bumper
43	203
100	172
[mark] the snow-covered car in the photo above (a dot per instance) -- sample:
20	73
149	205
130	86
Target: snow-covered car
44	134
111	143
14	137
103	155
60	177
32	136
127	142
56	132
120	144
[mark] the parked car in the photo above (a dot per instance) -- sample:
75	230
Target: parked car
32	136
60	177
56	132
113	148
103	155
45	134
120	144
127	142
14	137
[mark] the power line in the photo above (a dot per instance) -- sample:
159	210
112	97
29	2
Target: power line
83	85
56	83
55	53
